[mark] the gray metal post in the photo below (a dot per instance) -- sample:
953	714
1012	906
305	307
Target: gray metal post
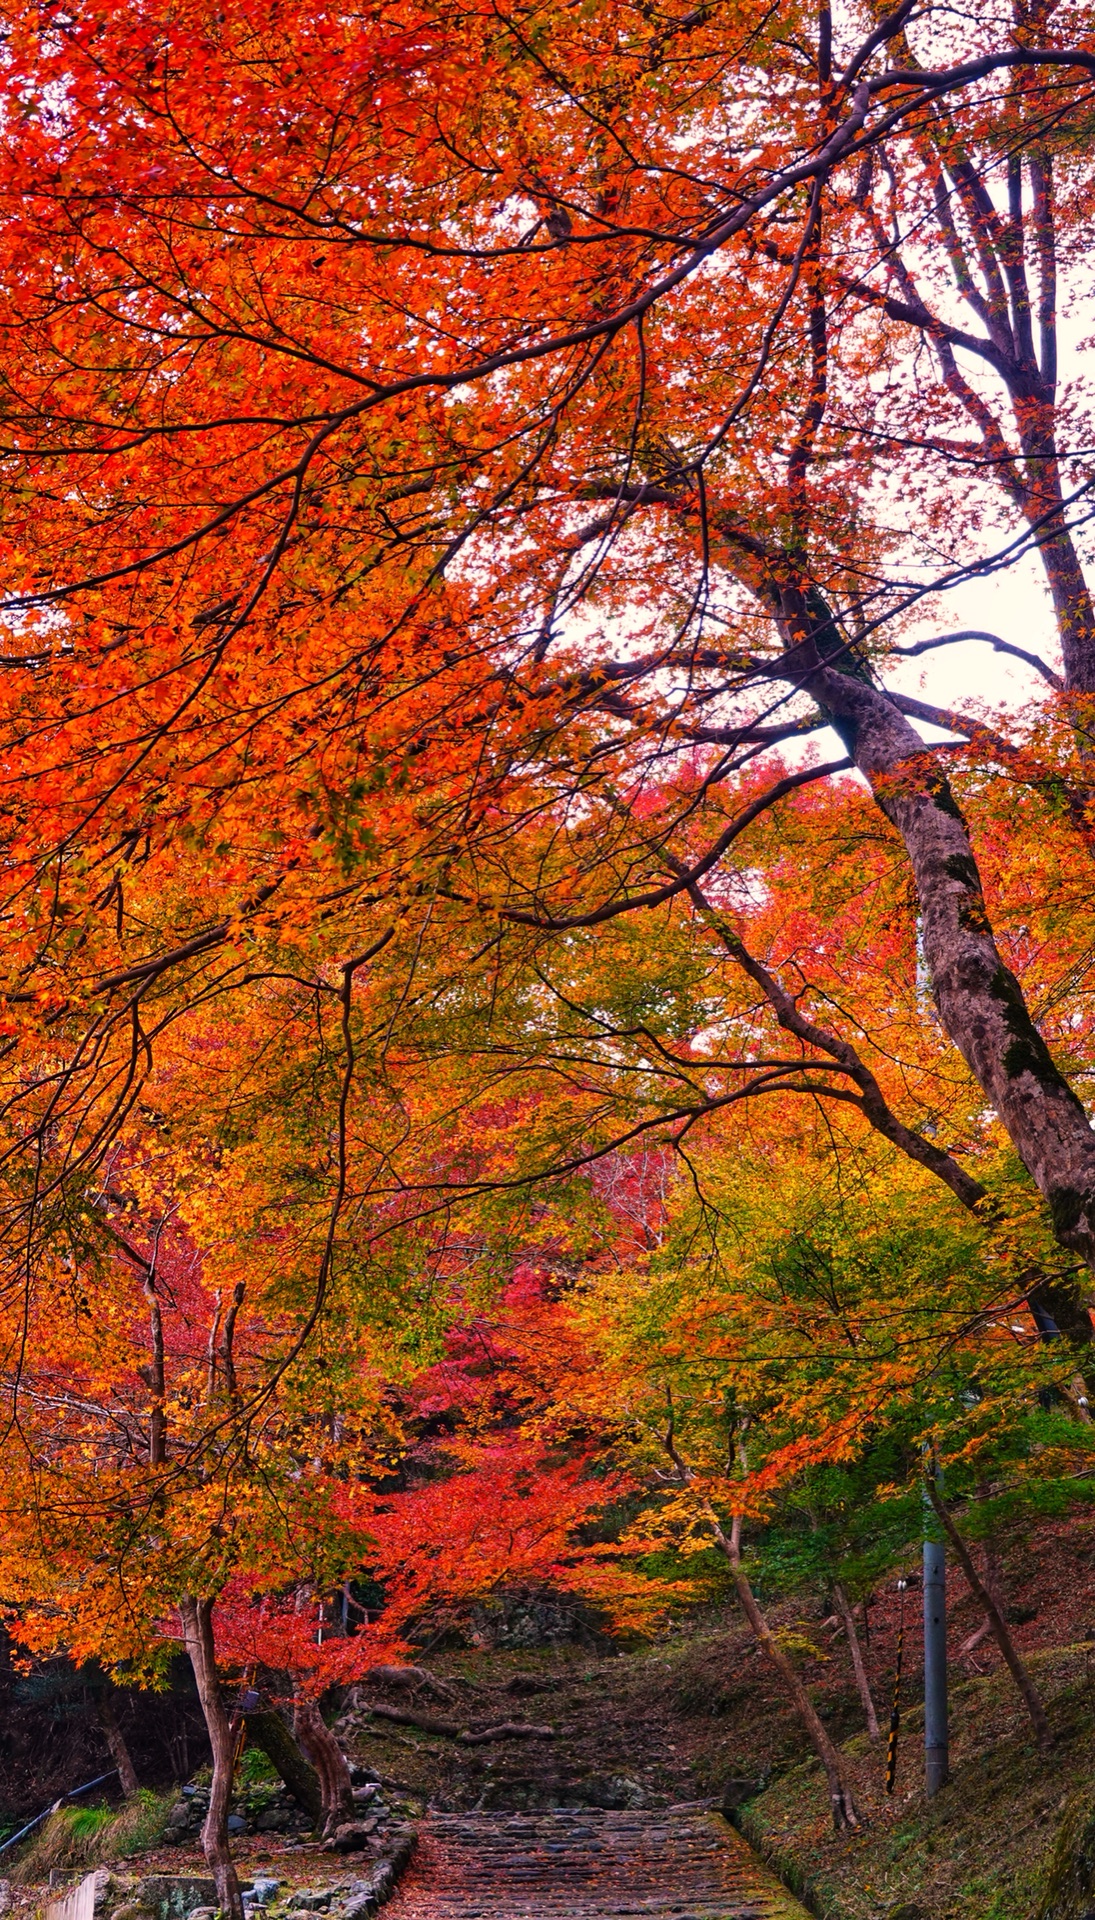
936	1741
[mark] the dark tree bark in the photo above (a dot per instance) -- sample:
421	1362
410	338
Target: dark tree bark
844	1809
980	1001
197	1624
326	1756
115	1739
841	1799
269	1732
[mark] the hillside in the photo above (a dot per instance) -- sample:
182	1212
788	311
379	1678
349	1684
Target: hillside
695	1713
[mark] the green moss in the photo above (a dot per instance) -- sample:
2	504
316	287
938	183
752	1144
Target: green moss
1066	1204
963	868
939	788
1069	1886
833	646
1022	1056
1027	1052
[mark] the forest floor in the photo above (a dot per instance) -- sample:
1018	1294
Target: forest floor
676	1719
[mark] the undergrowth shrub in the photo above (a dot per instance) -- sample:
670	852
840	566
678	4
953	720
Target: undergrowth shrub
256	1769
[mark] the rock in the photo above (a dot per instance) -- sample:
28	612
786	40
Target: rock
236	1823
365	1896
105	1891
525	1620
737	1790
310	1899
175	1896
182	1820
352	1835
363	1776
274	1820
133	1910
264	1891
615	1793
363	1795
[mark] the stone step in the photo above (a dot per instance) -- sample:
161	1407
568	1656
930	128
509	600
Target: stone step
676	1863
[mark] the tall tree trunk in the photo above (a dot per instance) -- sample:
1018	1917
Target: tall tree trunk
197	1623
115	1739
1022	1679
845	1811
1071	602
980	1001
858	1665
326	1756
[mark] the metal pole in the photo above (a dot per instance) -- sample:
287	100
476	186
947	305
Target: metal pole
936	1740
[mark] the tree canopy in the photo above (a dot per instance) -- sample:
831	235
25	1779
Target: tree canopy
470	482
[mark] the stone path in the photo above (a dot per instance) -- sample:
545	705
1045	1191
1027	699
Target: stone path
680	1863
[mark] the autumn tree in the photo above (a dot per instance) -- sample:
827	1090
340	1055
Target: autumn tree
417	519
777	1363
291	1652
447	476
167	1435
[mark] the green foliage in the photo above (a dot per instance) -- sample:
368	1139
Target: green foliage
707	1572
85	1823
255	1768
139	1825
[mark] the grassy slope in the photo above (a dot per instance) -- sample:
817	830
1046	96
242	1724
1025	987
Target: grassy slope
978	1850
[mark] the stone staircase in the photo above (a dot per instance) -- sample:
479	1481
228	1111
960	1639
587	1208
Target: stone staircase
678	1863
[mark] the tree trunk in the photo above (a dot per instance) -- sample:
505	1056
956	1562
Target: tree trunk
845	1811
1018	1671
269	1732
993	1575
858	1666
1071	602
980	1001
197	1623
328	1760
115	1739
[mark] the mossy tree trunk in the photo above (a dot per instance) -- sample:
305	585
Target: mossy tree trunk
269	1732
